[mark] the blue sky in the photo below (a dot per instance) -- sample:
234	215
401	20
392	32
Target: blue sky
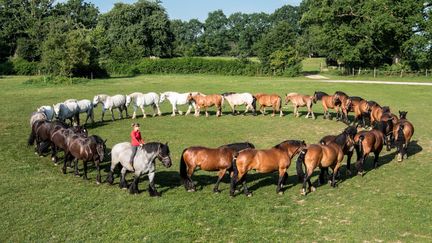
188	9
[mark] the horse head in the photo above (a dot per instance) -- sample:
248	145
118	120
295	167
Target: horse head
164	155
57	107
287	99
162	96
128	100
96	100
336	99
100	147
191	97
403	114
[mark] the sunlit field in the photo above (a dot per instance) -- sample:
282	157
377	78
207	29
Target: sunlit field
39	203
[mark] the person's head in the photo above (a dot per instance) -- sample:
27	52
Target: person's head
136	126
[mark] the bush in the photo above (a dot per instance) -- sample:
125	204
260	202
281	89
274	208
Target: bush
55	80
6	68
24	67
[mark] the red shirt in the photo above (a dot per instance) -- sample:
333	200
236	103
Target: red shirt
136	138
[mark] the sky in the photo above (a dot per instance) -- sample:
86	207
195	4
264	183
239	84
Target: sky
189	9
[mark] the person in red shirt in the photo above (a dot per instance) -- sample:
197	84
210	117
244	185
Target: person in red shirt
136	141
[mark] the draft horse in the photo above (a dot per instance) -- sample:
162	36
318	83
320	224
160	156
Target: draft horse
361	109
300	100
205	101
208	159
328	102
277	158
269	100
402	134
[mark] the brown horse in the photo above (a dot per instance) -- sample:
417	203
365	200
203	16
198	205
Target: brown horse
270	100
59	137
377	111
361	108
328	102
299	100
345	104
208	159
342	140
369	142
87	149
277	158
322	156
205	101
402	134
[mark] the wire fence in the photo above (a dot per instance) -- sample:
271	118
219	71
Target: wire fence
386	73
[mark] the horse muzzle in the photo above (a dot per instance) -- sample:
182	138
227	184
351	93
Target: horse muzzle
166	161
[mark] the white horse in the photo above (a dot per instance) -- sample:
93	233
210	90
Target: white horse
178	99
235	99
141	100
110	103
47	110
86	106
37	116
143	163
67	110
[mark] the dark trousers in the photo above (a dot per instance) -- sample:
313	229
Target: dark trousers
134	150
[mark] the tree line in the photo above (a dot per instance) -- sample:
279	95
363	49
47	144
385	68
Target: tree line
73	38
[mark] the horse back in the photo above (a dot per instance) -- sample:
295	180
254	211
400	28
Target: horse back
209	159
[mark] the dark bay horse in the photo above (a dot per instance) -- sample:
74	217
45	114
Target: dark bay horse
322	156
345	104
361	109
208	159
369	142
328	102
59	137
342	140
277	158
269	100
87	149
402	134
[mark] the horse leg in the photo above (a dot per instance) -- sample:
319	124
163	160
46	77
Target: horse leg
103	114
221	174
306	180
245	189
112	114
125	108
85	170
206	113
349	155
189	184
120	112
285	178
54	153
282	173
123	183
189	109
133	188
152	188
376	156
143	111
174	109
65	162
76	167
98	177
92	115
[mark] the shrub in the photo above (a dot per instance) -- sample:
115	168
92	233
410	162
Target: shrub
55	80
6	68
24	67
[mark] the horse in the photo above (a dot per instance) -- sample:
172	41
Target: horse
299	100
48	111
328	102
342	140
41	135
239	146
144	163
67	110
59	137
141	100
323	156
91	148
277	158
369	142
270	100
377	112
345	104
402	134
86	106
110	103
37	116
361	108
205	101
178	99
235	99
208	159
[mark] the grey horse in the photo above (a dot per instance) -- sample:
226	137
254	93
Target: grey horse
144	163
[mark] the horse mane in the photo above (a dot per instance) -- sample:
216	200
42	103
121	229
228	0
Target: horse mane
292	94
290	142
151	147
228	93
319	95
341	93
385	109
351	130
356	98
373	103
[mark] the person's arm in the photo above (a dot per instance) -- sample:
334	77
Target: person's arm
134	138
142	140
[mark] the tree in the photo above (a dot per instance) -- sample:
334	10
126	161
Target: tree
214	40
186	35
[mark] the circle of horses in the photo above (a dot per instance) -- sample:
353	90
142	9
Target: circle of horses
49	130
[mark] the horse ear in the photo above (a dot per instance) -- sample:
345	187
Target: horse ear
105	141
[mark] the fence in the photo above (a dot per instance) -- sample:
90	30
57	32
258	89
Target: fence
387	73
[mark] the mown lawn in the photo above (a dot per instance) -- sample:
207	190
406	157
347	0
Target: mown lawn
39	203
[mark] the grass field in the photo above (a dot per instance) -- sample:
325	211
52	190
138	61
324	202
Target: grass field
39	203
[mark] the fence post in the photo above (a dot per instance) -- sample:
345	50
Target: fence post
401	75
374	72
426	72
353	71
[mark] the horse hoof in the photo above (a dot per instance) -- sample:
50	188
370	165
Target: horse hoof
348	172
313	189
249	194
280	193
191	190
303	192
98	183
77	175
216	191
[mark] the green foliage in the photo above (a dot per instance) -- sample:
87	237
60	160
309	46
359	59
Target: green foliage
285	62
24	67
6	68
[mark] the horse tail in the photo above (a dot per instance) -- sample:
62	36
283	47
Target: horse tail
254	100
280	103
31	138
235	168
183	172
400	135
360	144
299	164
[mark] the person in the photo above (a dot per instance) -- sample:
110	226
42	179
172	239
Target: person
136	141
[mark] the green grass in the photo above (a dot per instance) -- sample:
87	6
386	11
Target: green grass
39	203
